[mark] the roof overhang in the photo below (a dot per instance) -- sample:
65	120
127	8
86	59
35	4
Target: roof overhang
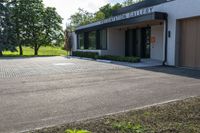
111	22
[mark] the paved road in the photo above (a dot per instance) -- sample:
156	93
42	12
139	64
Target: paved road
38	92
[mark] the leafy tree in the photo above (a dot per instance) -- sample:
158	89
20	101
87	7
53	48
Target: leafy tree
36	25
116	6
7	37
33	11
130	2
108	9
53	33
99	16
82	17
18	19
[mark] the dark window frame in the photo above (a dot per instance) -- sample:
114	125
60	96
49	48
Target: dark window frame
95	41
86	41
106	40
78	41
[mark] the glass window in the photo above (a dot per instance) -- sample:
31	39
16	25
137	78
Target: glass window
81	41
103	39
92	40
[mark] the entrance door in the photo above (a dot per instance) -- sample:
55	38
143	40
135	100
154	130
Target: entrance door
145	42
189	54
130	48
138	42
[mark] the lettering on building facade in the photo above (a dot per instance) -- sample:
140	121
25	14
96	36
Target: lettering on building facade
128	15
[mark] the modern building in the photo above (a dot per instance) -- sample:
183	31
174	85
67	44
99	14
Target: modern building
164	30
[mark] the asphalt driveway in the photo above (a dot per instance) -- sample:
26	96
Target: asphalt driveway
46	91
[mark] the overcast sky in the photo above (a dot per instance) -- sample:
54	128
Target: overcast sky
68	7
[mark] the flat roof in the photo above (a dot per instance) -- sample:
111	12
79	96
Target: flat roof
125	15
133	13
124	19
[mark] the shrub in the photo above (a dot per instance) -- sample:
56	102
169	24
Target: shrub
128	127
95	55
77	131
92	55
120	58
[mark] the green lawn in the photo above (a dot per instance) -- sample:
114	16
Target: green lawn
43	51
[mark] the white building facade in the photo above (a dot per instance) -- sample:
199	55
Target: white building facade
164	30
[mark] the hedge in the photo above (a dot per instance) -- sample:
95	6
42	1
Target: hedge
92	55
95	55
120	58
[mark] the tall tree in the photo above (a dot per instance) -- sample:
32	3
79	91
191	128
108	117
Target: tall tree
108	9
116	6
34	24
52	29
37	25
99	16
7	37
130	2
17	18
82	17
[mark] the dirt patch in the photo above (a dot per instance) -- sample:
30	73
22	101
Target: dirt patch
176	117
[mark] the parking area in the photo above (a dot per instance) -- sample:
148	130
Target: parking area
46	91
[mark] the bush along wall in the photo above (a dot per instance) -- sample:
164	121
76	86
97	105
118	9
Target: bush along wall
92	55
120	58
95	55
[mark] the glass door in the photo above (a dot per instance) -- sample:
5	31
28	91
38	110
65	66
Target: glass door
145	42
138	42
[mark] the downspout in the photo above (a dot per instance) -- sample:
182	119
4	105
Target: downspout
166	40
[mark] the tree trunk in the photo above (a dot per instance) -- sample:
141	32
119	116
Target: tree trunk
1	53
35	51
20	50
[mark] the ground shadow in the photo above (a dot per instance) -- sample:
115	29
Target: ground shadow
186	72
191	73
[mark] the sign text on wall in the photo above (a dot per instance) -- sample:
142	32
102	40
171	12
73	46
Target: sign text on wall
128	15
